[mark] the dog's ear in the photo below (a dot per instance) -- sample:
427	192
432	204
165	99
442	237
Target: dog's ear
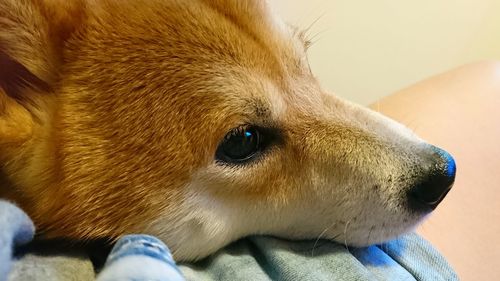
32	36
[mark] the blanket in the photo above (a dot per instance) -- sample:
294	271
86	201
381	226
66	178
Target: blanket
142	257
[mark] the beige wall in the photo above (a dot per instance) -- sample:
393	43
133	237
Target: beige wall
368	49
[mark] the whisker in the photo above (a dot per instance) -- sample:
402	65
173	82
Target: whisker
308	28
345	234
384	245
370	234
315	38
317	240
319	237
377	106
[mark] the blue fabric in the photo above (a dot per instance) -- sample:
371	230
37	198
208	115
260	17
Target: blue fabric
146	250
259	258
15	229
266	258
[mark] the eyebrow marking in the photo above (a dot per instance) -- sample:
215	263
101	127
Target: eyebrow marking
261	110
267	112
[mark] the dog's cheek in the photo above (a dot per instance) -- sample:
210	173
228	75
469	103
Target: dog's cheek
201	222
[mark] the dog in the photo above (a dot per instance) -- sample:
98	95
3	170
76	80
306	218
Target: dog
199	122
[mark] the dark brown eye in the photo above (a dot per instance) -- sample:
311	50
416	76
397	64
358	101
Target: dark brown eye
239	145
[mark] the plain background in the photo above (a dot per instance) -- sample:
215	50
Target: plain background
365	50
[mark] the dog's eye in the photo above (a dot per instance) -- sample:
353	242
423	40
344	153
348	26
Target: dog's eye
240	145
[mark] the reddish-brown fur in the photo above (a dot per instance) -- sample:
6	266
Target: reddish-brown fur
102	182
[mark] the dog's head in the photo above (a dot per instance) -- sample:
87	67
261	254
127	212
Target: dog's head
196	121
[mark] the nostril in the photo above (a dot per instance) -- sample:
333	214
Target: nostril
436	181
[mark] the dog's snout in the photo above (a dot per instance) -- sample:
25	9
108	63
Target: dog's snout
438	176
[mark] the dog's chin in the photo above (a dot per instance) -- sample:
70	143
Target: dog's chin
367	235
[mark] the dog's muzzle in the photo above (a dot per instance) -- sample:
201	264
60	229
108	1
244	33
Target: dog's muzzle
437	178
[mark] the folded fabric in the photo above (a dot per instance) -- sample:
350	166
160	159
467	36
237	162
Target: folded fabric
257	258
140	258
15	229
267	258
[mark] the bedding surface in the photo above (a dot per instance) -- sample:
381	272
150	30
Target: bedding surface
257	258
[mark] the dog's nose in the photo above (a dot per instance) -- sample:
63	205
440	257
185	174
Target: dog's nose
437	179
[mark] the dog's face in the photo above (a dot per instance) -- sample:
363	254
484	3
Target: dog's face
199	122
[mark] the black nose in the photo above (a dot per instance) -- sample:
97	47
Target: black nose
437	177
